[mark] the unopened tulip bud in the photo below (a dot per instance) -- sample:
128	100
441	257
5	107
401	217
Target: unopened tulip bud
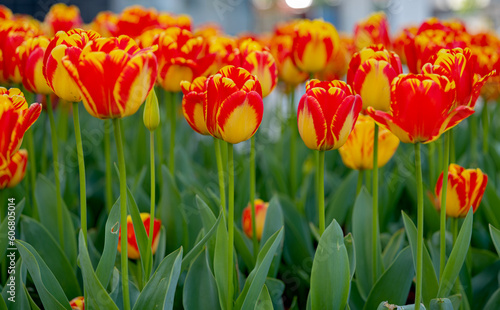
260	218
151	116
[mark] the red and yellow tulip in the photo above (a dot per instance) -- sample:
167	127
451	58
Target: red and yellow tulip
326	114
133	248
372	30
104	23
465	190
30	53
422	108
113	75
371	72
14	173
192	104
338	65
486	47
357	152
403	38
62	18
260	218
5	12
77	303
134	20
167	20
233	109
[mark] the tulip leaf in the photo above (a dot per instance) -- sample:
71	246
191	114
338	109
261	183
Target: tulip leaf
48	249
105	267
441	304
257	278
495	236
22	298
200	289
160	251
243	245
208	219
4	240
494	301
393	247
50	291
349	245
221	269
276	288
274	222
343	199
264	301
160	290
97	296
429	277
394	284
456	258
330	275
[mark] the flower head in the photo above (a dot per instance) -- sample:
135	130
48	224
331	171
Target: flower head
62	18
30	53
133	248
192	103
372	30
14	173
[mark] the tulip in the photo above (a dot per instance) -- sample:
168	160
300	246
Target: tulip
464	191
14	173
226	53
5	13
404	37
104	23
112	75
62	18
133	249
31	54
372	30
259	62
486	47
134	20
233	108
288	72
357	152
58	78
192	104
167	20
260	219
327	114
338	65
371	72
314	44
77	303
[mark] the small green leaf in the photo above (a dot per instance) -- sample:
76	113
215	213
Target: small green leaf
105	267
243	245
274	222
494	301
221	270
140	231
264	302
495	236
349	245
441	304
393	247
200	289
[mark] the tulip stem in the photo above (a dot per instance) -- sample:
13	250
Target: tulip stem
153	201
444	189
173	112
32	162
159	141
293	136
473	139
360	181
255	242
230	226
220	169
375	220
485	121
432	163
440	143
420	225
452	150
454	228
81	171
55	158
108	175
321	191
123	211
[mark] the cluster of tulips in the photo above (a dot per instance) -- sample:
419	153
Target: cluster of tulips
120	61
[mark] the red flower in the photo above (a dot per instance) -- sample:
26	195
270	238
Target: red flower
372	30
192	104
14	173
30	53
62	18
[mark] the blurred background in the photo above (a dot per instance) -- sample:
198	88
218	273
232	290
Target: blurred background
260	15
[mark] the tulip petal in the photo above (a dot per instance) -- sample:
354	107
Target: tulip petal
311	122
344	120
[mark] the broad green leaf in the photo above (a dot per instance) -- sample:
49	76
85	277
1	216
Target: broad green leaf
4	240
257	278
429	278
200	289
456	258
97	297
159	292
491	201
160	251
274	222
343	199
441	304
393	247
243	245
140	231
208	219
105	267
495	236
221	269
330	275
49	290
264	301
349	245
15	296
394	284
276	288
48	249
494	301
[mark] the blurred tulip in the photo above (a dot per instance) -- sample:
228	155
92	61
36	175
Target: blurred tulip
281	49
465	190
402	39
77	303
167	20
192	104
357	152
314	44
5	12
326	114
113	76
226	53
486	47
15	118
62	18
133	249
65	43
14	173
337	67
259	62
372	30
260	218
421	108
134	20
371	72
209	30
30	53
233	108
104	23
151	116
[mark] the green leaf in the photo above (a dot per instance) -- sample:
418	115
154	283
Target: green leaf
105	267
48	249
394	284
200	289
140	231
49	290
208	219
456	258
441	304
276	288
97	297
4	240
495	236
160	251
349	245
243	245
274	222
221	270
264	302
343	199
159	292
330	276
429	278
393	247
494	301
257	278
19	298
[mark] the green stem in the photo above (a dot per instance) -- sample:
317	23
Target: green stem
420	225
220	169
43	156
454	228
255	242
293	137
153	201
452	158
55	158
444	189
375	220
473	139
321	191
173	114
123	211
159	142
81	172
360	181
230	226
432	162
107	156
32	163
440	143
485	121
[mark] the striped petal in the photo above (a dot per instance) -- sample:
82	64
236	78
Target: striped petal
311	122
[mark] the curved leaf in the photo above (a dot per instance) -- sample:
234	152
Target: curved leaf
200	289
495	237
105	267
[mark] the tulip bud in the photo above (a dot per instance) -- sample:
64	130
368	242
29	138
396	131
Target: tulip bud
14	173
77	303
151	116
133	249
260	218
